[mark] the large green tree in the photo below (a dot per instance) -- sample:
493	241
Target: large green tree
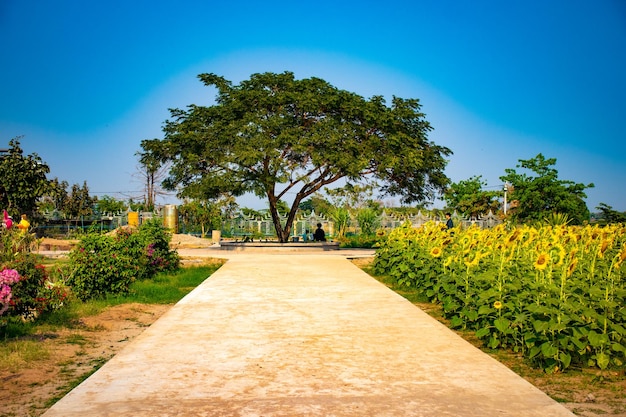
23	181
279	137
470	199
535	197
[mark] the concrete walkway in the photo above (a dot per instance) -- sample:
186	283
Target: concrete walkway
300	335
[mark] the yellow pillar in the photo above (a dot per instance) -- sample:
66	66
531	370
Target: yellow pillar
170	217
133	218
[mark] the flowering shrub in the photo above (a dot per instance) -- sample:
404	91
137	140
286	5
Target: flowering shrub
8	277
27	300
554	293
28	296
103	264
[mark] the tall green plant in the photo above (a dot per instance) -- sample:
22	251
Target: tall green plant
369	220
341	217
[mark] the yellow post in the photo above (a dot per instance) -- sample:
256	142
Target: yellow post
133	218
170	217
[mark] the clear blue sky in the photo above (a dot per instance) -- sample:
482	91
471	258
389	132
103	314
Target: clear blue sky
85	81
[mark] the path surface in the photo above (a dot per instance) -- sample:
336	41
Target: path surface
301	335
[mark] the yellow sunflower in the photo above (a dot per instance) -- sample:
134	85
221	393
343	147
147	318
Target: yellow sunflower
603	247
620	257
542	261
572	267
473	262
558	254
436	252
497	305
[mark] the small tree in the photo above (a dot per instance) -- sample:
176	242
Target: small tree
208	215
55	198
79	203
369	220
316	203
611	216
198	213
23	181
537	197
468	197
109	205
273	135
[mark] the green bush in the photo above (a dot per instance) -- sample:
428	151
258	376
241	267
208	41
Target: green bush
35	293
104	264
359	241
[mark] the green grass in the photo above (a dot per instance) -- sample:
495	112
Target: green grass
18	339
16	354
76	339
410	293
165	288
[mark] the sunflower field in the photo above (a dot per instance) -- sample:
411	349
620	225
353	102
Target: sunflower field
555	294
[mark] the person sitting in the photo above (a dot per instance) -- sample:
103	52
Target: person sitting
319	235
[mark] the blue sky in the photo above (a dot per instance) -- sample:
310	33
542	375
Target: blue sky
85	82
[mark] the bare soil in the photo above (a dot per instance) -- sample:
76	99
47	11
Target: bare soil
77	351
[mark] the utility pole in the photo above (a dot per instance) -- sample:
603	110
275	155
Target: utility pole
506	189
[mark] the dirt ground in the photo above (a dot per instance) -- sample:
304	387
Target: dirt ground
73	353
76	352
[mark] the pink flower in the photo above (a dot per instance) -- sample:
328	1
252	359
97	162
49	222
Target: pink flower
9	276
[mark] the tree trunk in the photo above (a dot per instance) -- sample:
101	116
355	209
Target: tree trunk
283	232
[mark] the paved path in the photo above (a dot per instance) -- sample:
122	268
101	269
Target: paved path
301	335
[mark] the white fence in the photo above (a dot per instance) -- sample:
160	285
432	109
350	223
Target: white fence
243	225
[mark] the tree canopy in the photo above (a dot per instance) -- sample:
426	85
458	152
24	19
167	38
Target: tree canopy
537	197
281	138
23	180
